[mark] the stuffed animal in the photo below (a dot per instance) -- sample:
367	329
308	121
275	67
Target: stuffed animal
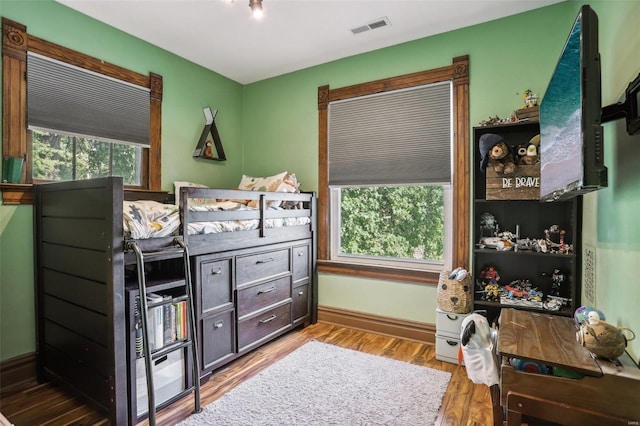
529	154
497	154
478	350
501	159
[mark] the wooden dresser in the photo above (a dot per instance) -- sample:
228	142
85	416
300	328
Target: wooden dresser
607	394
245	298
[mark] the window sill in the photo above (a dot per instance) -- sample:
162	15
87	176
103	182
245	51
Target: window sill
16	193
379	272
22	193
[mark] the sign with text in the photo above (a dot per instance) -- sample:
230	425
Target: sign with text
524	184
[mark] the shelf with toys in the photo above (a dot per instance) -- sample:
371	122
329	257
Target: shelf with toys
525	253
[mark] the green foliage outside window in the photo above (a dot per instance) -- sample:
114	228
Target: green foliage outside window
59	157
399	222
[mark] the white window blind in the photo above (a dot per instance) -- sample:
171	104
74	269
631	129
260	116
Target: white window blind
399	137
68	99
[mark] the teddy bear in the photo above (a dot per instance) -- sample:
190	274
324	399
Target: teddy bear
501	159
528	154
497	154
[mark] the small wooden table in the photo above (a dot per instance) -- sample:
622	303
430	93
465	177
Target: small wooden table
608	394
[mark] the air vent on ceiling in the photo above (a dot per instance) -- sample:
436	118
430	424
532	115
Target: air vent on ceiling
378	23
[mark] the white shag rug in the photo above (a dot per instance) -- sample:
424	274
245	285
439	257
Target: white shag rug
322	384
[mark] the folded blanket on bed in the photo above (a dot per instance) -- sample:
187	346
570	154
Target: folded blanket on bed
149	219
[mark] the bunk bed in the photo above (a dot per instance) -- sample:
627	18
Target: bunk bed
84	264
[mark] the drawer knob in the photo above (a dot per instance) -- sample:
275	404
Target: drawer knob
216	271
451	342
301	293
218	324
266	320
300	253
268	290
452	317
267	260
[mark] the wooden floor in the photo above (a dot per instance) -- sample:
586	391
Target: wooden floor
463	404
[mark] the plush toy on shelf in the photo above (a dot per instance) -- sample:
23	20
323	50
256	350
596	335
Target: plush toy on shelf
497	154
529	154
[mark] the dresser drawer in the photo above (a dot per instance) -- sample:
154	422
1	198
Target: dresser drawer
216	284
300	297
218	339
447	349
448	323
254	298
257	267
256	328
301	262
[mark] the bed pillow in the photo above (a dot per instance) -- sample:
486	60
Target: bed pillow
269	183
179	184
282	182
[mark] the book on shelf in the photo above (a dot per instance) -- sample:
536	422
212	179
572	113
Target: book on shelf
166	321
155	333
172	321
166	316
179	319
183	323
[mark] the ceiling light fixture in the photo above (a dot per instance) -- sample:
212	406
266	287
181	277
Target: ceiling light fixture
256	8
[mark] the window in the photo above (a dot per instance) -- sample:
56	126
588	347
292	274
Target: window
404	226
74	128
390	205
58	156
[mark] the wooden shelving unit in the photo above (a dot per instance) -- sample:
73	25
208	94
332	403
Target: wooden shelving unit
530	218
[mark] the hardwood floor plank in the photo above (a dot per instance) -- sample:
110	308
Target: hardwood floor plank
463	404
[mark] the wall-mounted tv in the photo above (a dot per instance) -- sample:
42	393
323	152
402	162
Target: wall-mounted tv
571	152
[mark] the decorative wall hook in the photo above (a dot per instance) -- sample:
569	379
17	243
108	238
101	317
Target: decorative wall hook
210	146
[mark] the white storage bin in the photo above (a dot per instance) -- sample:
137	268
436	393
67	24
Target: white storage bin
168	379
447	349
448	323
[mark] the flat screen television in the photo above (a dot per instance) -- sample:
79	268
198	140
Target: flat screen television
571	152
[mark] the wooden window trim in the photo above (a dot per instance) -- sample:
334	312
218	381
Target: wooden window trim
16	42
458	74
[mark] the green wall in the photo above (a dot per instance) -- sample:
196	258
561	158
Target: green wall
280	132
611	223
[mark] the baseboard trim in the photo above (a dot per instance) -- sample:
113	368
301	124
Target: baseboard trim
404	329
17	373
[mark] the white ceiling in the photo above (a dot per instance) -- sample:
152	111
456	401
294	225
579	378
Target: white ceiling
293	34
